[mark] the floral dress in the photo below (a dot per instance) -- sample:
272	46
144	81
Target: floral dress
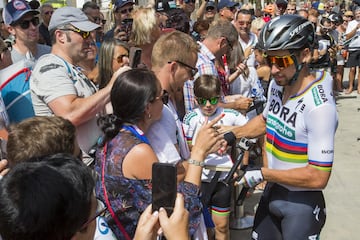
129	197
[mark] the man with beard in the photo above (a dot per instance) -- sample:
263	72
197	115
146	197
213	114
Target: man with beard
23	23
299	121
58	87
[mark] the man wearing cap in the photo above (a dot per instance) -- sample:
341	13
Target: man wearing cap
226	9
206	11
23	23
122	10
58	87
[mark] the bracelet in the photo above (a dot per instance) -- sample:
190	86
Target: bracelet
196	163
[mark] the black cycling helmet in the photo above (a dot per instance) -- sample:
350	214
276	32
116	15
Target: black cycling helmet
287	32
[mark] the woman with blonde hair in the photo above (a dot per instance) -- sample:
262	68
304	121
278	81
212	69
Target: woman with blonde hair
145	31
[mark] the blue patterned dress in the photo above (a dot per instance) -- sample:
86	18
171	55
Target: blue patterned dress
129	197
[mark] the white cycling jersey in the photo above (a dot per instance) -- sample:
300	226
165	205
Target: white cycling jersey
301	131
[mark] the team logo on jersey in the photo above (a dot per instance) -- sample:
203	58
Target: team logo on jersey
319	95
280	127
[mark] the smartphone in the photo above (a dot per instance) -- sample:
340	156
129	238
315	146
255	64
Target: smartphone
135	57
126	26
164	186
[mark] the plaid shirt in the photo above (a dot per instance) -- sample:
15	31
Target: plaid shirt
205	65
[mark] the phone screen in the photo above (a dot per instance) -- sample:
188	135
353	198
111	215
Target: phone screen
135	57
164	186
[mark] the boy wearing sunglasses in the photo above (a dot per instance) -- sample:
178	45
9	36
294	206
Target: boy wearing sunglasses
207	89
299	121
23	23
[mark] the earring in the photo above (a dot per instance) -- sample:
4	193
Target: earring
149	116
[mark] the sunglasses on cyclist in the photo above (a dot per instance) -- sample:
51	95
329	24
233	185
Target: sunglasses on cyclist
83	34
281	62
203	101
25	24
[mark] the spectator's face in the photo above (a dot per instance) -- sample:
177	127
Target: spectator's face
46	14
188	6
227	13
291	9
26	29
120	58
124	12
243	23
281	8
77	43
210	12
93	14
357	15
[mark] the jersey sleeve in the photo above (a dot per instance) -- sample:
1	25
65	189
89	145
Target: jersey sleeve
321	125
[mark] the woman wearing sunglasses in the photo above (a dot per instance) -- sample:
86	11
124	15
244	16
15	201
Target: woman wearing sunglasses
124	162
299	121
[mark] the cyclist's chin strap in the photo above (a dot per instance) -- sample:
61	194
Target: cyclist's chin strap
298	69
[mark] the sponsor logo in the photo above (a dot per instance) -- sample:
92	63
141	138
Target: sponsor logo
19	5
283	113
327	151
280	128
316	212
313	237
319	95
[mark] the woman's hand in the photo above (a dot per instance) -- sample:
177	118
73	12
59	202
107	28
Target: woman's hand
175	226
147	227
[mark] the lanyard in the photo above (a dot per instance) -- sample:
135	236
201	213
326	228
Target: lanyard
137	132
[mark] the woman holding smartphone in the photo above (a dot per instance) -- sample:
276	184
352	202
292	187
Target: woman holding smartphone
124	161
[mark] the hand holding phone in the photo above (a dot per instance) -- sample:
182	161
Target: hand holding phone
164	187
134	57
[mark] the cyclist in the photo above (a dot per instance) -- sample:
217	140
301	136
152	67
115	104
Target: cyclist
299	121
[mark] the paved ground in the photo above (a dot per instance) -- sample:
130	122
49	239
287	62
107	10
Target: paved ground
342	193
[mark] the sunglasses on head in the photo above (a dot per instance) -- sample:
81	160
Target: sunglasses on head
83	34
164	97
281	62
189	1
203	101
25	24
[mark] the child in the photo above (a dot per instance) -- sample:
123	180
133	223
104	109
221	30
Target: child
207	90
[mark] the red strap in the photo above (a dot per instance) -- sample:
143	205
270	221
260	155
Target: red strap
113	215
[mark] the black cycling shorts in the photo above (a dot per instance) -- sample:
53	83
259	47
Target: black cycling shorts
289	215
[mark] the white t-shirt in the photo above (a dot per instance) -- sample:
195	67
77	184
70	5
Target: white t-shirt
193	120
354	44
162	137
